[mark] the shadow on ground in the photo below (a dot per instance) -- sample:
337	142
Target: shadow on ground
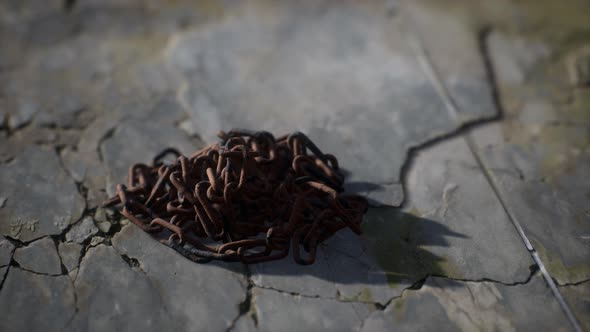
390	253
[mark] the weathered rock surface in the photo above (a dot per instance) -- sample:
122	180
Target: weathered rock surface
141	137
471	306
111	296
444	231
90	87
455	55
34	302
40	256
70	254
446	186
6	250
346	75
538	157
185	288
578	298
82	230
42	198
276	310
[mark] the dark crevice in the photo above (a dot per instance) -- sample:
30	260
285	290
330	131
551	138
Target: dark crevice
414	151
76	308
108	134
132	262
56	243
482	42
573	284
533	272
136	265
3	277
15	264
463	128
11	131
416	286
246	307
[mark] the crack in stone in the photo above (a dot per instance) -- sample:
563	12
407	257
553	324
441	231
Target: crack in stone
107	135
135	265
82	191
452	108
76	308
417	286
247	306
573	284
4	277
17	266
313	296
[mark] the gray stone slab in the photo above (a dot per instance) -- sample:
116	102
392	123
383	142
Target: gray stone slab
138	138
344	74
538	158
70	254
202	297
74	163
244	324
82	230
39	256
451	44
113	297
34	302
445	185
41	200
6	250
447	305
452	225
279	311
578	299
344	269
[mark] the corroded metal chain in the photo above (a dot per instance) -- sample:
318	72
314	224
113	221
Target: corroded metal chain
249	198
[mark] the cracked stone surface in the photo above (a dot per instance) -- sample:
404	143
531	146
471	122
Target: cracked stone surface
471	306
539	155
342	270
70	254
40	257
447	187
6	250
277	310
444	230
42	200
446	109
82	230
47	302
139	138
245	69
578	297
455	54
184	285
112	296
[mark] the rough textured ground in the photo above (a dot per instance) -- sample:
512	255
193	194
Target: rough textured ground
466	124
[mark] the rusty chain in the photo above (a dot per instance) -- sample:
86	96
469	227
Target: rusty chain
248	198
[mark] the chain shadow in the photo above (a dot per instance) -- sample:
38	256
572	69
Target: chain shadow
390	252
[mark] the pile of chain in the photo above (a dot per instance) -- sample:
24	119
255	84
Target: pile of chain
249	198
